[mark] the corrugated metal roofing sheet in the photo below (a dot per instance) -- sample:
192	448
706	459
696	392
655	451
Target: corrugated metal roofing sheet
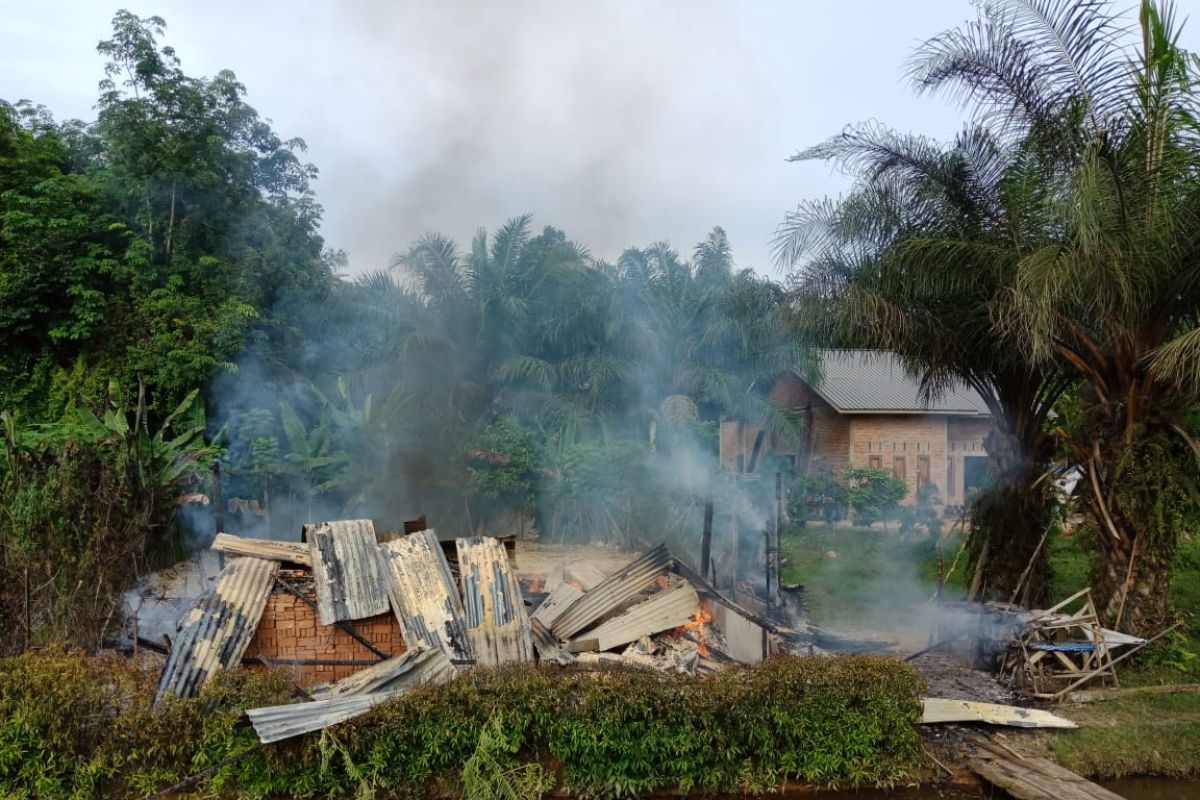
663	611
218	629
495	612
345	562
410	667
555	603
275	723
424	597
617	590
876	382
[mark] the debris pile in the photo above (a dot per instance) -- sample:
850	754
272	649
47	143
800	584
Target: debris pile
457	604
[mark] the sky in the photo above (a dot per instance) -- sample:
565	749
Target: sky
621	122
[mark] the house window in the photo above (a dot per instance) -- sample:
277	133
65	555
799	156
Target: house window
922	471
898	468
741	462
875	462
951	483
869	443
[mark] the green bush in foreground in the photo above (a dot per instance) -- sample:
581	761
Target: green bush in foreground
72	726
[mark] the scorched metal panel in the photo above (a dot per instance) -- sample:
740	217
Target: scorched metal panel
424	598
349	581
495	613
218	629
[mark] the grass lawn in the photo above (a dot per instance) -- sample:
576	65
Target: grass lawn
858	576
1137	734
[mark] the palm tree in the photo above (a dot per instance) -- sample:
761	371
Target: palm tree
1115	294
1090	206
916	260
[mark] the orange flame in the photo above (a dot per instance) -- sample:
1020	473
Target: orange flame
698	623
535	583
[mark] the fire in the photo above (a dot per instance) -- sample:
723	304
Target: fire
535	584
699	624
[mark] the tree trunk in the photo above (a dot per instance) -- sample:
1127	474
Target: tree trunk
1007	522
1139	499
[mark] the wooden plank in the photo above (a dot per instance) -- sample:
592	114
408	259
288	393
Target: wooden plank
939	710
424	597
1030	777
346	570
493	608
287	552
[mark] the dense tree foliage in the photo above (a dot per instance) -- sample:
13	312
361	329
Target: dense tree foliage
152	243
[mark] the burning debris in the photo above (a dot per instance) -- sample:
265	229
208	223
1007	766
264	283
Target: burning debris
455	604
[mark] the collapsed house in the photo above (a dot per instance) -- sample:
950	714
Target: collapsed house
358	617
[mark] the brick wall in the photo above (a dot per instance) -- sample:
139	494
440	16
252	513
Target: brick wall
830	436
290	630
893	439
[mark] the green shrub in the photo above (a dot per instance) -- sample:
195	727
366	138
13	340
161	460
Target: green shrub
76	727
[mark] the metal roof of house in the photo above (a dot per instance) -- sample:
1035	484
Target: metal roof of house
876	382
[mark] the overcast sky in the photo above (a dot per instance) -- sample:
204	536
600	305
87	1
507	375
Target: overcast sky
620	122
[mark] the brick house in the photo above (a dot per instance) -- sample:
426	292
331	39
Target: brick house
866	411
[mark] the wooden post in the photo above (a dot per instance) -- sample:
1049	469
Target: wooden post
706	538
767	563
778	535
217	502
735	533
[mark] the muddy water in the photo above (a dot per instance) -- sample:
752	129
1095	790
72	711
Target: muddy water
1155	789
1130	789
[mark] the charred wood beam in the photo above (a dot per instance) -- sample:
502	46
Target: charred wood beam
345	627
686	572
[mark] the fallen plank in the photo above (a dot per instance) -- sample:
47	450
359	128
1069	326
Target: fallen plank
493	609
670	608
219	627
287	552
424	598
613	593
345	564
409	668
1030	777
939	710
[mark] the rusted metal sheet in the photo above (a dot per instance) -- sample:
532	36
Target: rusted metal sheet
275	723
616	591
218	629
495	613
409	668
350	583
288	552
670	608
424	598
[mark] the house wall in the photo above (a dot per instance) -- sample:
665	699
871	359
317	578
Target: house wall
910	437
966	437
829	438
842	440
290	629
